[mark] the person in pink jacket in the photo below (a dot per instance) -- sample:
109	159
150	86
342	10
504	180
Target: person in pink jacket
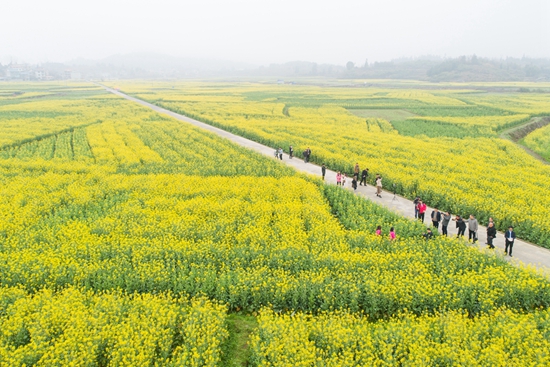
392	234
379	231
421	210
338	179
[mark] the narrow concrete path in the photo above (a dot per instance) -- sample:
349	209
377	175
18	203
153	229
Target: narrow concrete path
523	252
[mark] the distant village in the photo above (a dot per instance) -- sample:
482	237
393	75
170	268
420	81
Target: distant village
26	72
154	66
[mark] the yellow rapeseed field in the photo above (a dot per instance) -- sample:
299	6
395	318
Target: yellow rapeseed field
449	153
126	237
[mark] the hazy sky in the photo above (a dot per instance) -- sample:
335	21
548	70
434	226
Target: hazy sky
272	31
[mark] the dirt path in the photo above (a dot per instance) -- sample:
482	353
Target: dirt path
515	134
523	252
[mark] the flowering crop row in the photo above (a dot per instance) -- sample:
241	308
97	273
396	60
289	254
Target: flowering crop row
80	328
539	141
29	119
499	338
247	241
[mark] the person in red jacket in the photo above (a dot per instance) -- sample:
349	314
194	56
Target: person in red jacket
421	210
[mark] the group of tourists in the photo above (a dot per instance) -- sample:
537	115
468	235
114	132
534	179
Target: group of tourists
279	153
341	178
437	217
444	218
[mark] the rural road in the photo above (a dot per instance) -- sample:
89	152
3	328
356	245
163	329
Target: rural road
523	252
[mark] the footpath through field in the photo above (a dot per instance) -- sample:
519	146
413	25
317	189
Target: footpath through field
523	251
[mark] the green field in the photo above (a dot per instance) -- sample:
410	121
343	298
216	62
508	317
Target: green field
386	114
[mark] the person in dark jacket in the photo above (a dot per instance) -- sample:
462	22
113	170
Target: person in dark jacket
307	155
364	176
290	151
460	225
354	183
491	234
445	222
436	218
429	234
509	238
323	171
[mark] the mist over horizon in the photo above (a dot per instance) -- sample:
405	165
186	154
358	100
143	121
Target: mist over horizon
260	34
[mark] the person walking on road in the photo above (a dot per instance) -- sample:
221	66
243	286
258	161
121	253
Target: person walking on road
378	185
509	238
416	200
323	171
290	152
344	179
472	229
354	183
338	179
436	218
280	153
460	225
445	222
364	176
421	210
491	235
356	171
307	154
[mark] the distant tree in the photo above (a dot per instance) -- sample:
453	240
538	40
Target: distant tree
366	63
350	65
532	71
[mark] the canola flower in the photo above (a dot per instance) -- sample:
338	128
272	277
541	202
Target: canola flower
539	141
463	175
501	337
246	241
120	237
76	328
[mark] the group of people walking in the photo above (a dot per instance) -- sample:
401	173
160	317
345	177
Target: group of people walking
444	218
279	153
420	208
342	177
